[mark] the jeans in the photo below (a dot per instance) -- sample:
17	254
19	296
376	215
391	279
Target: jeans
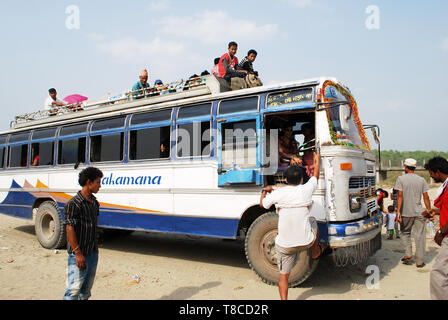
80	282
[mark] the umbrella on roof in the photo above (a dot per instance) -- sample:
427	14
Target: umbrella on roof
75	98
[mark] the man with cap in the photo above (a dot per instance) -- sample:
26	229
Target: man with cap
141	84
410	213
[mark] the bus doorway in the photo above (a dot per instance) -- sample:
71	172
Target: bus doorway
295	145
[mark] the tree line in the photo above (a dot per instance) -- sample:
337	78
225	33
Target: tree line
395	158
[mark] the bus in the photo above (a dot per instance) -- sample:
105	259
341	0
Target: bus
170	166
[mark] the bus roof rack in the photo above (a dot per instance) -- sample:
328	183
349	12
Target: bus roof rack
195	86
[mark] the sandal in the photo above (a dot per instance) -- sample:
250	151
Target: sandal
408	262
421	265
406	258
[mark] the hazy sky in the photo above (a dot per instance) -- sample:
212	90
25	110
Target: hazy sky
392	56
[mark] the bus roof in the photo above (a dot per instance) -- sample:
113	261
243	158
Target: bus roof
208	89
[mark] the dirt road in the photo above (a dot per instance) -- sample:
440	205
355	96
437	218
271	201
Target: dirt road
181	267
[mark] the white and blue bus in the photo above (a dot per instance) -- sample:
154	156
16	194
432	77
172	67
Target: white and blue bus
169	167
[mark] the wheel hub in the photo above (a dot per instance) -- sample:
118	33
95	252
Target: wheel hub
267	246
48	226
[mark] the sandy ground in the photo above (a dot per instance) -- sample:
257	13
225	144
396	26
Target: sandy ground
182	267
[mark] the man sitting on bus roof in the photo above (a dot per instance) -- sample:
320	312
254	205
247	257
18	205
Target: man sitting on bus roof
141	85
52	102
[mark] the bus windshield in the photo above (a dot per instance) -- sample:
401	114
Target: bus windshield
345	125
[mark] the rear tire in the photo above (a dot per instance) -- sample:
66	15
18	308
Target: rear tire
262	258
49	226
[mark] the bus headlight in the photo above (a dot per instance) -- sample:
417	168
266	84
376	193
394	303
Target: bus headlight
355	203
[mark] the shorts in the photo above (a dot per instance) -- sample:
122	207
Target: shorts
288	257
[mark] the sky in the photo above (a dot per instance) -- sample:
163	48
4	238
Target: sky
391	54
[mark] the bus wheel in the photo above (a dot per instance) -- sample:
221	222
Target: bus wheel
261	255
49	226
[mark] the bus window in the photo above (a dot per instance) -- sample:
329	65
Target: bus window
150	143
193	139
345	126
72	151
2	151
42	134
107	147
238	105
239	144
2	157
18	156
72	144
193	131
42	153
202	110
18	151
73	130
107	144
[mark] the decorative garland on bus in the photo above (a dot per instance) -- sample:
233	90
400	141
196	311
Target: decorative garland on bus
356	120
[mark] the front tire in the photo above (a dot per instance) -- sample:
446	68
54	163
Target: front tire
49	226
262	258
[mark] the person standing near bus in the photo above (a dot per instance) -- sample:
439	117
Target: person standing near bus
410	212
297	230
438	170
81	220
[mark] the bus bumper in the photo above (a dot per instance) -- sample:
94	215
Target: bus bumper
354	233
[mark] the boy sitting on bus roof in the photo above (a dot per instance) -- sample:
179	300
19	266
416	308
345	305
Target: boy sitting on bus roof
215	69
228	63
247	62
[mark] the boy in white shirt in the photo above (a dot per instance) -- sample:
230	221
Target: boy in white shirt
297	230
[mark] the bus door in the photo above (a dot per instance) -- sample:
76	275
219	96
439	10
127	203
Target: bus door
238	151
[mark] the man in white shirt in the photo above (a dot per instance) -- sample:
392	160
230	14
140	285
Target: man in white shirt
297	230
52	102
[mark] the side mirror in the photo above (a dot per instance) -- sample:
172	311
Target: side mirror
375	135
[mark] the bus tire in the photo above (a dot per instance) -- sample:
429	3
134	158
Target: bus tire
261	256
49	226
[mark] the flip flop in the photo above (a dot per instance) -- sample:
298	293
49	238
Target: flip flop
408	262
421	265
405	258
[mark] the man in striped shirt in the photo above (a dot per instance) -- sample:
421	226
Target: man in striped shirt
81	219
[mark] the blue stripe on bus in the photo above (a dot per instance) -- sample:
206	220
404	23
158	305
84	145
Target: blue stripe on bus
212	227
